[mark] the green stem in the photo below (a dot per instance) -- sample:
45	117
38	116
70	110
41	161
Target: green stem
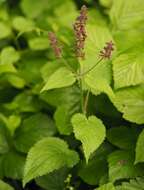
81	92
86	102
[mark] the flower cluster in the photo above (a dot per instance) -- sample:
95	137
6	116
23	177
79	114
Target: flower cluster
80	32
107	50
55	45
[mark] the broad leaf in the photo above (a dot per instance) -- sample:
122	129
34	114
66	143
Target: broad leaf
32	130
60	78
48	155
140	148
54	180
91	132
128	68
130	101
5	186
123	137
121	165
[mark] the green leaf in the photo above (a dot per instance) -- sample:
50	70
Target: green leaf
60	78
54	180
5	30
15	80
39	43
140	148
23	24
130	101
48	155
32	130
4	147
91	132
131	65
133	184
97	166
9	55
13	165
123	137
7	68
121	165
108	186
5	186
127	14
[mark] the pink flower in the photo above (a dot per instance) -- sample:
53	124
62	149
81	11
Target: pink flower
107	50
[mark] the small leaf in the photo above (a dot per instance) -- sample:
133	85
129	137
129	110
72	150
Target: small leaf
60	78
33	129
140	148
91	132
15	80
5	30
5	186
47	155
7	68
9	55
121	165
39	43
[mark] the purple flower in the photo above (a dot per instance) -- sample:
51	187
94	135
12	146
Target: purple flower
107	50
55	45
80	32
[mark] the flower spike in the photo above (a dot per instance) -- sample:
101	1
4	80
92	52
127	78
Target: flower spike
107	50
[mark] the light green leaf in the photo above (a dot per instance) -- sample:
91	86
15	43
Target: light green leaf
127	14
128	68
48	155
9	55
23	24
4	147
108	186
97	167
54	180
130	101
60	78
140	148
123	137
33	129
91	132
5	186
5	30
15	80
121	165
7	68
13	165
38	43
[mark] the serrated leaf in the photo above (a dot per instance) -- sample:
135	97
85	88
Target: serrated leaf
121	165
97	166
127	14
5	186
139	148
54	180
60	78
123	137
47	155
9	55
108	186
32	130
91	132
130	101
131	65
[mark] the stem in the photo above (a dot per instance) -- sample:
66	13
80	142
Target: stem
86	102
81	92
86	72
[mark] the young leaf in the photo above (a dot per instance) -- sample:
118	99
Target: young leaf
5	30
130	102
39	43
60	78
140	148
121	165
91	132
32	130
5	186
47	155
